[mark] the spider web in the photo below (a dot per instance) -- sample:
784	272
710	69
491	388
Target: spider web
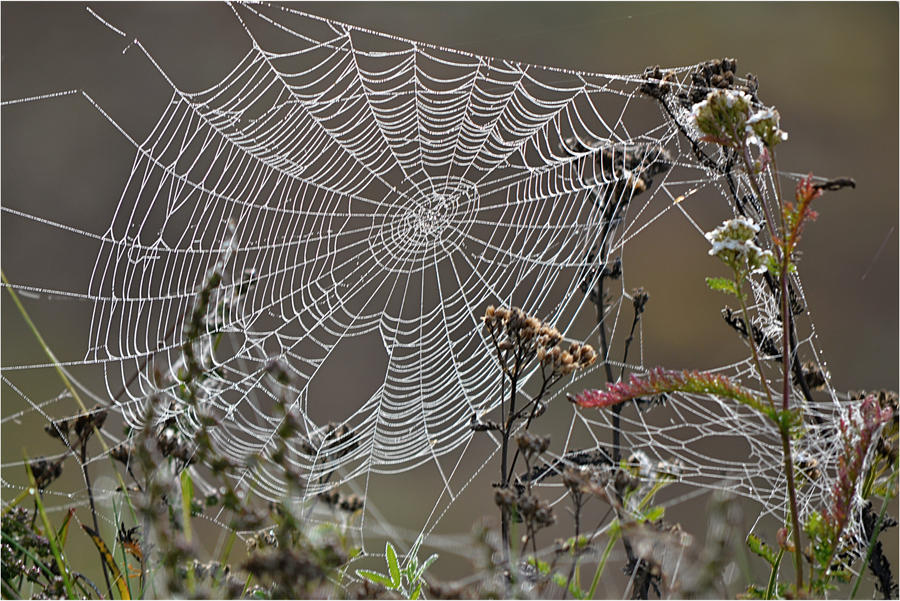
354	189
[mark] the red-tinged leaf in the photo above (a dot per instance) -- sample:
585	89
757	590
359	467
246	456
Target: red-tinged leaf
63	533
659	381
594	398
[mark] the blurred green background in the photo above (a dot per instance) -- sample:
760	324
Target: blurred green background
830	68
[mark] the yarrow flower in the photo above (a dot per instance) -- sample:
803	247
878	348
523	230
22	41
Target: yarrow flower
732	242
763	125
723	116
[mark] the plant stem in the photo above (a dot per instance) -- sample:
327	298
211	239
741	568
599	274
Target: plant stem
603	559
795	515
50	533
604	351
90	491
757	363
784	260
578	505
773	577
875	532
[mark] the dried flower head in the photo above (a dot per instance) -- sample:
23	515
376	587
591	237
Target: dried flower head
582	480
122	452
519	337
45	471
532	445
86	423
639	298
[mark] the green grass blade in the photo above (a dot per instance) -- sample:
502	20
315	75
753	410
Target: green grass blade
50	533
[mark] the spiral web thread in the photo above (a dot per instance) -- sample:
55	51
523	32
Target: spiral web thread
360	184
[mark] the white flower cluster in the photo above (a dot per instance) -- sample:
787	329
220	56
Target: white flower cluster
733	243
762	128
727	117
722	115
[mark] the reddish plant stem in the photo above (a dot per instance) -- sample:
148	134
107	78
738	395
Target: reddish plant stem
784	261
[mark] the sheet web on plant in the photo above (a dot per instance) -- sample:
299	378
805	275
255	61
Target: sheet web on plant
344	185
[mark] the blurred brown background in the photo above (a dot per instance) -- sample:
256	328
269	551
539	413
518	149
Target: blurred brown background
831	70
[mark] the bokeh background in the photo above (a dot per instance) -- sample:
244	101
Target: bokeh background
830	68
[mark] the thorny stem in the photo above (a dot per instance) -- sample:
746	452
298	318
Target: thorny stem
795	515
783	282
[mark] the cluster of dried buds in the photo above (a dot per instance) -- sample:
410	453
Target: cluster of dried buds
531	445
349	503
82	426
578	356
531	509
521	337
262	539
45	471
584	480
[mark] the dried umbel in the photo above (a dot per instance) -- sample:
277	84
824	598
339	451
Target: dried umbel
518	338
583	480
531	445
348	503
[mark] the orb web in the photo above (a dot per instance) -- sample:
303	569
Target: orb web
346	186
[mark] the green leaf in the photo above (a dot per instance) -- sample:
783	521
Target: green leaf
758	547
63	532
542	566
415	593
393	564
187	496
722	285
561	581
754	592
415	548
424	567
375	577
655	513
